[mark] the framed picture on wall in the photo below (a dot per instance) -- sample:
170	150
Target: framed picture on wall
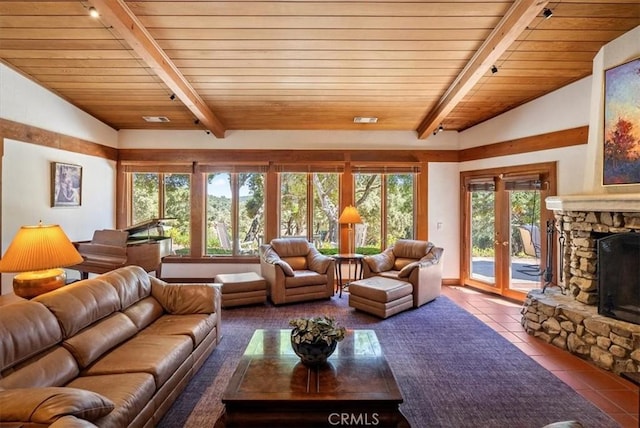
66	185
621	145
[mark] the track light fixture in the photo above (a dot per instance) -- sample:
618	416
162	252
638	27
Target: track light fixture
172	97
547	13
93	12
494	69
438	129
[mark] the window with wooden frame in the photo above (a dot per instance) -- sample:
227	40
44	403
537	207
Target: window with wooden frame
162	195
235	209
385	198
310	204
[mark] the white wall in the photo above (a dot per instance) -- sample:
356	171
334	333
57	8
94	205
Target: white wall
620	50
286	140
444	221
26	167
23	101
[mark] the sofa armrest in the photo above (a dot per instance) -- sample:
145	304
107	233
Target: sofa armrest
46	405
427	280
268	255
183	299
318	262
380	262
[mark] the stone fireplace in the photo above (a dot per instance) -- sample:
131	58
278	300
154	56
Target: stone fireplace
567	316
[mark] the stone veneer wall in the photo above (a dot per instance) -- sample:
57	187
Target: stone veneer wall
579	259
576	327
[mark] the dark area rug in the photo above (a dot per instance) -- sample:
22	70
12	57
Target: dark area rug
453	370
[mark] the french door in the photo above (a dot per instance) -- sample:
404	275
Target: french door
504	228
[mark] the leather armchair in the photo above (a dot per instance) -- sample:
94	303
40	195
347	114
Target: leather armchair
417	262
296	271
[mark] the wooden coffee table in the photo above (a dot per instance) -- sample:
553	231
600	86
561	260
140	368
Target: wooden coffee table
271	387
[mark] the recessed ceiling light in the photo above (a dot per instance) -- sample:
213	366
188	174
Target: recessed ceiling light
363	119
156	119
93	12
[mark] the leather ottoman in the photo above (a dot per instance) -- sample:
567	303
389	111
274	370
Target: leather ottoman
381	296
239	289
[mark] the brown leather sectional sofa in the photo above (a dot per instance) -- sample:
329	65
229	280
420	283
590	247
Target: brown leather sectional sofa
111	351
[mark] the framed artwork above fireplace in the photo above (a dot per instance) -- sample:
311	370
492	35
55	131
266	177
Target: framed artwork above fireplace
621	145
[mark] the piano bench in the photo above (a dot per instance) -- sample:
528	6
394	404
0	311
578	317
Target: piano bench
240	289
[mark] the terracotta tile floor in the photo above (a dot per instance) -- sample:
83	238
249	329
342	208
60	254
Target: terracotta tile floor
612	394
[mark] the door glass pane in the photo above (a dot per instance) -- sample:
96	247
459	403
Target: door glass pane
293	204
219	232
325	212
251	208
525	240
177	205
482	236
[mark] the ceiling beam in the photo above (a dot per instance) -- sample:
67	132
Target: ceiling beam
514	22
116	14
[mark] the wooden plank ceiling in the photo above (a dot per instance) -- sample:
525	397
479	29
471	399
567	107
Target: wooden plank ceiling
306	64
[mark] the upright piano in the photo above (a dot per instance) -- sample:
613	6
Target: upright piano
144	244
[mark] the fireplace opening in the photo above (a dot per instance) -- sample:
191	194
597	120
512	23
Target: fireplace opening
619	276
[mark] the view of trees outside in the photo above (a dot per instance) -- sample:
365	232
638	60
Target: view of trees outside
294	206
245	191
400	207
398	189
525	210
326	206
177	205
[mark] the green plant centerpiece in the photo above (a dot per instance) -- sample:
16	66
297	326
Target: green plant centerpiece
314	339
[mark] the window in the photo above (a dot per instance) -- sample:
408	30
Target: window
229	193
309	208
386	204
151	201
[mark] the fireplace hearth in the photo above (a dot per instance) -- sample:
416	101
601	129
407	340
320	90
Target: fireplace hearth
568	316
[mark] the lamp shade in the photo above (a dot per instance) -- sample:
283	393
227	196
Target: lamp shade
350	215
41	247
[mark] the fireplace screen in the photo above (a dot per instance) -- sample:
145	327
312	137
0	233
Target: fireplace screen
619	276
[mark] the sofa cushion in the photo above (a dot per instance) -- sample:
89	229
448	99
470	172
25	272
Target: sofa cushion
92	342
196	326
131	283
411	248
401	262
80	304
71	422
290	247
157	355
304	278
129	391
144	312
296	262
185	298
26	329
45	405
54	367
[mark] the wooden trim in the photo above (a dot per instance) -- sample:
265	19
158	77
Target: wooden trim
42	137
514	22
287	156
534	143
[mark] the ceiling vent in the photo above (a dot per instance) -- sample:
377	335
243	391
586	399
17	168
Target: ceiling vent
156	119
362	119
